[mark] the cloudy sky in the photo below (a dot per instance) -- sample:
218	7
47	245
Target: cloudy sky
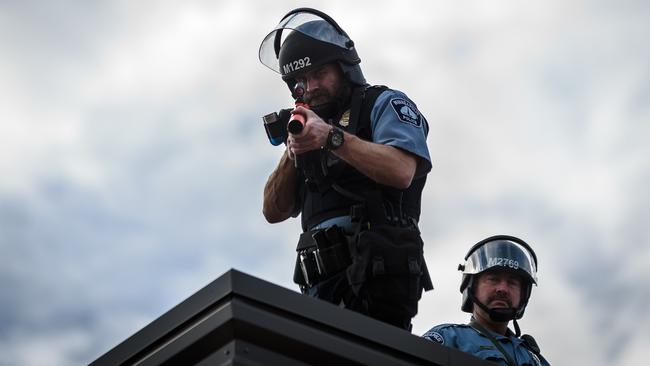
133	159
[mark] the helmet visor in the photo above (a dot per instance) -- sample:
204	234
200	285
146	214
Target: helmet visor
505	254
306	23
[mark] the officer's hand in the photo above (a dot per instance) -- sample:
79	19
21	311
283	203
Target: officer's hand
313	135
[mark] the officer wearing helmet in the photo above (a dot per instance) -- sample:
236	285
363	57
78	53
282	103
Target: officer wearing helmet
355	174
498	276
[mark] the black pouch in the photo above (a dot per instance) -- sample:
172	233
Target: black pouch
321	254
388	268
305	243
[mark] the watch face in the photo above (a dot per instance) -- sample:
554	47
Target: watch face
335	138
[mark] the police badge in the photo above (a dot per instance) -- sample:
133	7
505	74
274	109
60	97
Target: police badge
345	119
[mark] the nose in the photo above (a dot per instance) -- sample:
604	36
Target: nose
502	287
311	84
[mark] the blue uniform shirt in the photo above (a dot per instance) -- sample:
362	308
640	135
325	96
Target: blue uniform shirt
467	339
396	121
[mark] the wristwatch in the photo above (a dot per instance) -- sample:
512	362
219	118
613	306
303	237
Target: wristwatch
335	138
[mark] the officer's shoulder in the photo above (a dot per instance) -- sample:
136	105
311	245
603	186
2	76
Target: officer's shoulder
450	328
395	98
385	93
443	332
454	326
446	325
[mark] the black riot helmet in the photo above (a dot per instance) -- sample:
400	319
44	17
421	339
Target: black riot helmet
499	252
306	38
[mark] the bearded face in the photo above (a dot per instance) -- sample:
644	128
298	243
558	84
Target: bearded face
327	91
499	289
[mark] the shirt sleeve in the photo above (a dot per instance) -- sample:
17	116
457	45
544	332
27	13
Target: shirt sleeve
442	334
465	339
396	121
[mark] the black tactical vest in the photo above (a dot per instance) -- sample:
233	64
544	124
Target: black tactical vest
324	174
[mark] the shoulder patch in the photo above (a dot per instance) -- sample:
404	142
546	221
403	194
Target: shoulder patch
406	111
435	336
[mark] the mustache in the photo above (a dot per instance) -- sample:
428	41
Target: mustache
322	94
501	297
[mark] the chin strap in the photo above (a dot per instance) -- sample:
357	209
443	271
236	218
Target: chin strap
517	330
499	315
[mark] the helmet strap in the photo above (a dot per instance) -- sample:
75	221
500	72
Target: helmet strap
517	330
497	315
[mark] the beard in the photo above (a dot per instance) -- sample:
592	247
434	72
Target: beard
335	102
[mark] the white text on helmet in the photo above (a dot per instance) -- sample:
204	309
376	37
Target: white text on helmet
504	262
296	65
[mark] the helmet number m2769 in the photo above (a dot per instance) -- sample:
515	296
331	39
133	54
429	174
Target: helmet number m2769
296	65
503	262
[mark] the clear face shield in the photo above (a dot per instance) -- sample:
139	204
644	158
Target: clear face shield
309	24
503	254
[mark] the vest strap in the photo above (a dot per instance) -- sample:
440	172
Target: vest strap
481	330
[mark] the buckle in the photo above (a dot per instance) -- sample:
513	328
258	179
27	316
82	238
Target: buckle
320	265
311	265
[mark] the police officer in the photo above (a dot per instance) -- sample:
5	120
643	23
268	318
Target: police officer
355	173
498	276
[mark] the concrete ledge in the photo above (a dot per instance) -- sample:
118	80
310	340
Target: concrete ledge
242	320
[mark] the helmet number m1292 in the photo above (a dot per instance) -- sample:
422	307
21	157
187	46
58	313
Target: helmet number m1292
296	65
